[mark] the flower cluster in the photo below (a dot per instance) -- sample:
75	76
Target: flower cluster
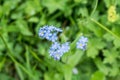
112	14
49	33
82	43
57	50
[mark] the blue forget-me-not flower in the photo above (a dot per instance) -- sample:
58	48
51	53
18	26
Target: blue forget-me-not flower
57	50
82	43
49	33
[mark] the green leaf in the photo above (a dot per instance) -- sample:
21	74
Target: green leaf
101	66
114	70
67	73
53	5
96	43
2	63
92	52
1	11
9	5
108	37
108	3
110	56
33	19
23	28
116	30
83	12
94	46
32	7
2	46
52	75
117	43
75	58
20	73
98	75
4	76
77	1
27	56
97	31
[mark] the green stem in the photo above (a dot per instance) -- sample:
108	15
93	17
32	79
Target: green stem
103	27
93	11
55	16
72	20
36	57
13	59
72	45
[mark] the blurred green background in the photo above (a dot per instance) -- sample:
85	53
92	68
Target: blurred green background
24	56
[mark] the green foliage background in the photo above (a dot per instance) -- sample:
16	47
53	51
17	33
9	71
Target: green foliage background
24	56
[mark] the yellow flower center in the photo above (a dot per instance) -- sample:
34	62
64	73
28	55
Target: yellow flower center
81	44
